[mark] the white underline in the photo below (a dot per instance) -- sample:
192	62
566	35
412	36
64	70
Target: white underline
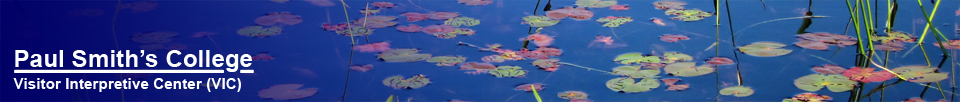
121	71
246	71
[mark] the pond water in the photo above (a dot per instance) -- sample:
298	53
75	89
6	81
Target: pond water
301	43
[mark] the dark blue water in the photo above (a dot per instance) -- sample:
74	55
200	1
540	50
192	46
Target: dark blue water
45	27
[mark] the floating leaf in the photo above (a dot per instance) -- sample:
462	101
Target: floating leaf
629	58
508	71
738	91
465	21
688	15
413	16
574	13
572	95
898	46
526	87
635	72
259	31
397	82
286	92
539	21
829	69
475	2
814	82
828	38
595	3
369	11
493	59
765	49
611	21
809	97
403	55
719	61
547	64
687	69
663	5
673	38
355	31
812	45
897	36
447	60
376	21
671	57
920	74
443	15
867	75
627	85
477	66
950	44
407	58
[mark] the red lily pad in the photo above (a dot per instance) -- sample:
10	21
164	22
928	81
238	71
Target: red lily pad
673	38
574	13
373	47
475	2
812	45
892	46
828	69
411	28
443	15
720	61
867	75
413	16
383	4
526	87
273	18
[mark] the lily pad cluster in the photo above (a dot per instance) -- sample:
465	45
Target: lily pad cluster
447	60
595	3
920	74
808	97
895	36
539	21
355	31
611	21
951	44
397	82
259	31
508	71
833	82
403	55
765	49
737	91
628	85
688	15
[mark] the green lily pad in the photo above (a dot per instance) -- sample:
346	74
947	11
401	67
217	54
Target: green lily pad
629	58
508	71
738	91
572	95
397	52
356	31
627	85
688	15
397	82
539	21
765	49
464	31
403	55
407	58
920	74
671	57
595	3
259	31
464	21
814	82
614	21
687	69
895	36
447	60
635	72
